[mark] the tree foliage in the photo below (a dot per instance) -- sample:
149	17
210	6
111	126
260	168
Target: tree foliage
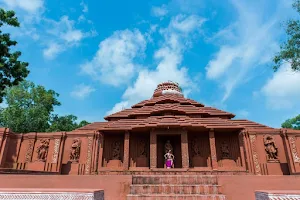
293	123
30	109
12	71
65	123
290	50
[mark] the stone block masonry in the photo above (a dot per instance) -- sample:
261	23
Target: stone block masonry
171	187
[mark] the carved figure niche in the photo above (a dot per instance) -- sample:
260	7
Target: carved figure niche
270	148
141	160
142	148
116	152
197	159
75	150
42	150
225	150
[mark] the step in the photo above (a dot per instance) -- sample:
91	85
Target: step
175	179
176	197
175	189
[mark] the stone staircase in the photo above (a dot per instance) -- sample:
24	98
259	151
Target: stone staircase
175	187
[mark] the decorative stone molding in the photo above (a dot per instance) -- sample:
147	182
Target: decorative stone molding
55	150
275	196
89	155
29	151
296	157
254	153
97	195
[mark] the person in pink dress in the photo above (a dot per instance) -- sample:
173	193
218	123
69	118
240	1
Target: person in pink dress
169	157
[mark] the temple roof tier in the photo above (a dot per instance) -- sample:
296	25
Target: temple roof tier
162	121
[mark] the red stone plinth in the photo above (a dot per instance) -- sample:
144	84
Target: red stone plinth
36	166
142	161
114	164
199	161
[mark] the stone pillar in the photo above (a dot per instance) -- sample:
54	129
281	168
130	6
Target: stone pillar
153	150
213	152
100	156
184	150
242	148
126	151
2	147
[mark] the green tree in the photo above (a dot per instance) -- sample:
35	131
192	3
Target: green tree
293	123
290	51
29	108
65	123
12	71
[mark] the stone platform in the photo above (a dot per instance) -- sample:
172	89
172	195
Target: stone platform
278	195
51	194
173	187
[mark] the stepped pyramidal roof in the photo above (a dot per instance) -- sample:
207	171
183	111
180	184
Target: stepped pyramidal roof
169	108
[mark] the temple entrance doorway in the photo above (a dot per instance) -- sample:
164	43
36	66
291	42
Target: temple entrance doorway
175	142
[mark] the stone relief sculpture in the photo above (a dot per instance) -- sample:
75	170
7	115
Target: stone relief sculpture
195	147
75	150
142	148
168	146
42	150
270	147
225	150
116	154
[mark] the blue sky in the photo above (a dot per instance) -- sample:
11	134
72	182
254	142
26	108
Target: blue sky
102	56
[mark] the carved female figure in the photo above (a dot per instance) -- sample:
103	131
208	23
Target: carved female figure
169	157
270	148
225	150
75	150
42	149
142	148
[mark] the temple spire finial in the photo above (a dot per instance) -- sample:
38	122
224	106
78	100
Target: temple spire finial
169	87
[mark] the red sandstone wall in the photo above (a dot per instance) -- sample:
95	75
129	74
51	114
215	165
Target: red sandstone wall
116	187
243	187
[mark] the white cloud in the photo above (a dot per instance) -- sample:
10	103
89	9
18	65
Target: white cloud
27	5
65	34
72	36
82	91
242	113
159	11
283	89
115	62
85	8
168	58
52	50
248	43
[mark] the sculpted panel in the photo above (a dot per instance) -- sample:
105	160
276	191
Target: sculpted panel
270	148
42	150
75	150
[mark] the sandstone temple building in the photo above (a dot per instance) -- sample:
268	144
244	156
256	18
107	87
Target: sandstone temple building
132	143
